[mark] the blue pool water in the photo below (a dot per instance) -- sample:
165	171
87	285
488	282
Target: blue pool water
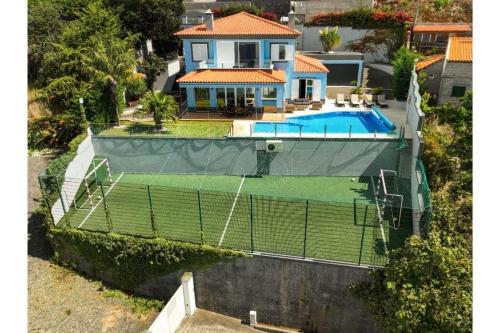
372	121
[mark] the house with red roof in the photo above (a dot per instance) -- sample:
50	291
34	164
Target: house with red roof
449	75
433	37
247	61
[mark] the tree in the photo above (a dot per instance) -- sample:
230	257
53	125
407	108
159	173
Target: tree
425	287
152	67
44	28
160	105
111	60
404	60
157	20
330	38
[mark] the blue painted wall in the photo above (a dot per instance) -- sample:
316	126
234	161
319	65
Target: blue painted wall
213	95
316	76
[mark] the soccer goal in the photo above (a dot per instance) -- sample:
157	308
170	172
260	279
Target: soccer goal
99	175
387	198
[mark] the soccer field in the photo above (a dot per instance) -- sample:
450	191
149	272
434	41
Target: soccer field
330	218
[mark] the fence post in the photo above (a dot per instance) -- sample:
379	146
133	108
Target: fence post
201	220
305	229
106	210
45	199
350	130
251	222
325	131
153	221
275	130
66	218
300	131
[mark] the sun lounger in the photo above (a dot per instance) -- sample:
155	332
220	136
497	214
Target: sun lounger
369	99
355	100
341	101
381	101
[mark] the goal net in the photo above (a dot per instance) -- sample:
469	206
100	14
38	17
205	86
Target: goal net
389	201
100	174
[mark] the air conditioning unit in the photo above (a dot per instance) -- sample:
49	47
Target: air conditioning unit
274	146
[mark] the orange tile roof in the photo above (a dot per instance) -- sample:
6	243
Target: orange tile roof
304	64
460	49
235	75
426	62
442	28
240	24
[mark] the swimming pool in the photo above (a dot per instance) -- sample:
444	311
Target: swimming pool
338	122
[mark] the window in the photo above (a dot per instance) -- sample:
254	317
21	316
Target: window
199	51
202	98
269	93
309	89
246	54
458	91
278	51
240	97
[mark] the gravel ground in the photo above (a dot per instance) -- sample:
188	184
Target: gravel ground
60	300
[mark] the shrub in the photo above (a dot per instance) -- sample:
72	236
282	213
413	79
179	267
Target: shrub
403	63
269	16
135	88
52	132
362	18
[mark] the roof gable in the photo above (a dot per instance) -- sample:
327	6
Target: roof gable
460	49
304	64
442	27
240	24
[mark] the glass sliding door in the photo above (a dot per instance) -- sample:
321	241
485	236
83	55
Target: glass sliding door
250	97
240	97
221	97
248	54
202	98
231	101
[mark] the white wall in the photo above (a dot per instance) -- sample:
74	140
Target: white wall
310	42
180	305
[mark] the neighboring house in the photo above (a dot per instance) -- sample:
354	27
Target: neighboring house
449	75
194	10
306	10
246	61
433	37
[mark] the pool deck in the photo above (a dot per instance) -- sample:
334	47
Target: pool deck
395	112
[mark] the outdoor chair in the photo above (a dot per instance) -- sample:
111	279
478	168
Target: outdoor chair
355	100
369	99
381	101
341	101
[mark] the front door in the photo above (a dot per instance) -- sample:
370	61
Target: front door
302	88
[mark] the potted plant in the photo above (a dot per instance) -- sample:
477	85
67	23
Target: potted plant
330	38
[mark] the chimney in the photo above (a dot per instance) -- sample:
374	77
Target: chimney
291	19
209	20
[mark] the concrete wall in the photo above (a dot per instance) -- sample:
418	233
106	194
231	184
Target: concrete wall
312	8
454	74
310	41
433	79
307	295
165	81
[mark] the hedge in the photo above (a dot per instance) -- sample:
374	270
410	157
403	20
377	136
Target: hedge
129	261
362	18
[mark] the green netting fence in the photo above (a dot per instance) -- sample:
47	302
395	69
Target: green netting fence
424	190
347	232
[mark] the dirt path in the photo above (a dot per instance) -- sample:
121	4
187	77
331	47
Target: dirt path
60	300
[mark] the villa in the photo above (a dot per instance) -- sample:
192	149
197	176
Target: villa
245	61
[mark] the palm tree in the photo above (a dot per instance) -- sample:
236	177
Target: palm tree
160	105
111	60
330	38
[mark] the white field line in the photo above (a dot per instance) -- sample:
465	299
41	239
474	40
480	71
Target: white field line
93	209
83	204
231	212
381	222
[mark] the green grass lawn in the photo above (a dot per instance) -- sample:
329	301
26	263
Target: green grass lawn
331	218
180	128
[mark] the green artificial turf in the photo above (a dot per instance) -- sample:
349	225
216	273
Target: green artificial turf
332	218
